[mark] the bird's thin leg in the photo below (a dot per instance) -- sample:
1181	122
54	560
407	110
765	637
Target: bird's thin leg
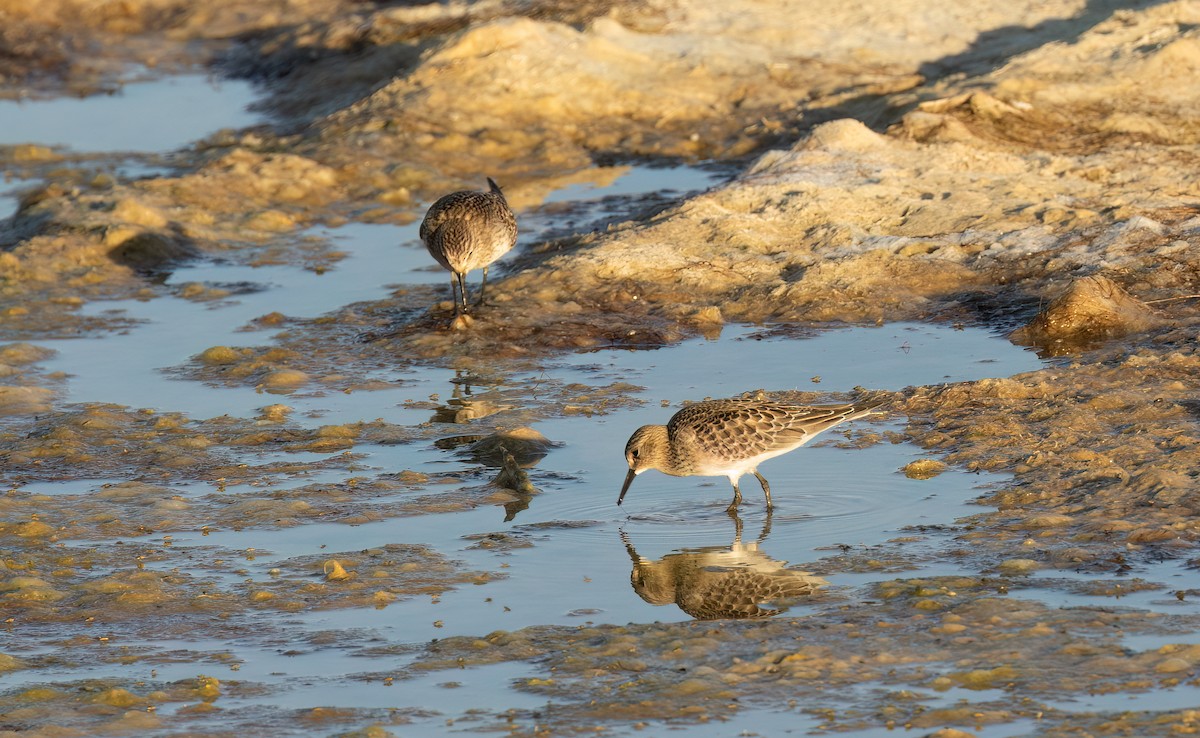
766	529
482	286
766	487
737	528
462	292
737	500
633	554
454	294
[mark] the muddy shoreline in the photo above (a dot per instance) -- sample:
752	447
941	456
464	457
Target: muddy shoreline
1028	170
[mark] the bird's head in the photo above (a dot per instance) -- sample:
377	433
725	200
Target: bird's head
646	449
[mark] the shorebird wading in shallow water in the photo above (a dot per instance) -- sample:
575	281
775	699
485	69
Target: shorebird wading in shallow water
731	438
469	230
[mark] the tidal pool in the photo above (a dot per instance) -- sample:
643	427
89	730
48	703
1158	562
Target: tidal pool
151	116
563	557
566	558
8	204
128	369
172	580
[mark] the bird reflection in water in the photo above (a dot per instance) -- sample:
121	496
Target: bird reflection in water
512	451
715	582
465	405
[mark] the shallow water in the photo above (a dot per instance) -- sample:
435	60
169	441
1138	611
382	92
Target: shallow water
574	562
146	116
577	569
8	203
819	504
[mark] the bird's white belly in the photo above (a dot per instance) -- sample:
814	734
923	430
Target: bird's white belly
737	467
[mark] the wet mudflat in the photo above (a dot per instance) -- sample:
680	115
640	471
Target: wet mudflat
257	482
445	559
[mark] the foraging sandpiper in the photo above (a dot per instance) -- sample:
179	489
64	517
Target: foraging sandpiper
731	438
469	230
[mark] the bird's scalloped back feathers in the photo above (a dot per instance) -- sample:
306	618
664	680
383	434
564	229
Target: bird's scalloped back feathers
741	429
446	206
468	230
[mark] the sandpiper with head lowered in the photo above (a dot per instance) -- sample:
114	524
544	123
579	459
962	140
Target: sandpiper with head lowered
469	230
731	438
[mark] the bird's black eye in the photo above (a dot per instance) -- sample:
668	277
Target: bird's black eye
634	453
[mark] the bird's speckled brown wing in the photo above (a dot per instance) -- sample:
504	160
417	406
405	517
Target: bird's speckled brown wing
729	430
447	206
450	244
468	230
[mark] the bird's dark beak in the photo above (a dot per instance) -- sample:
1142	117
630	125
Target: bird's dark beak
625	487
